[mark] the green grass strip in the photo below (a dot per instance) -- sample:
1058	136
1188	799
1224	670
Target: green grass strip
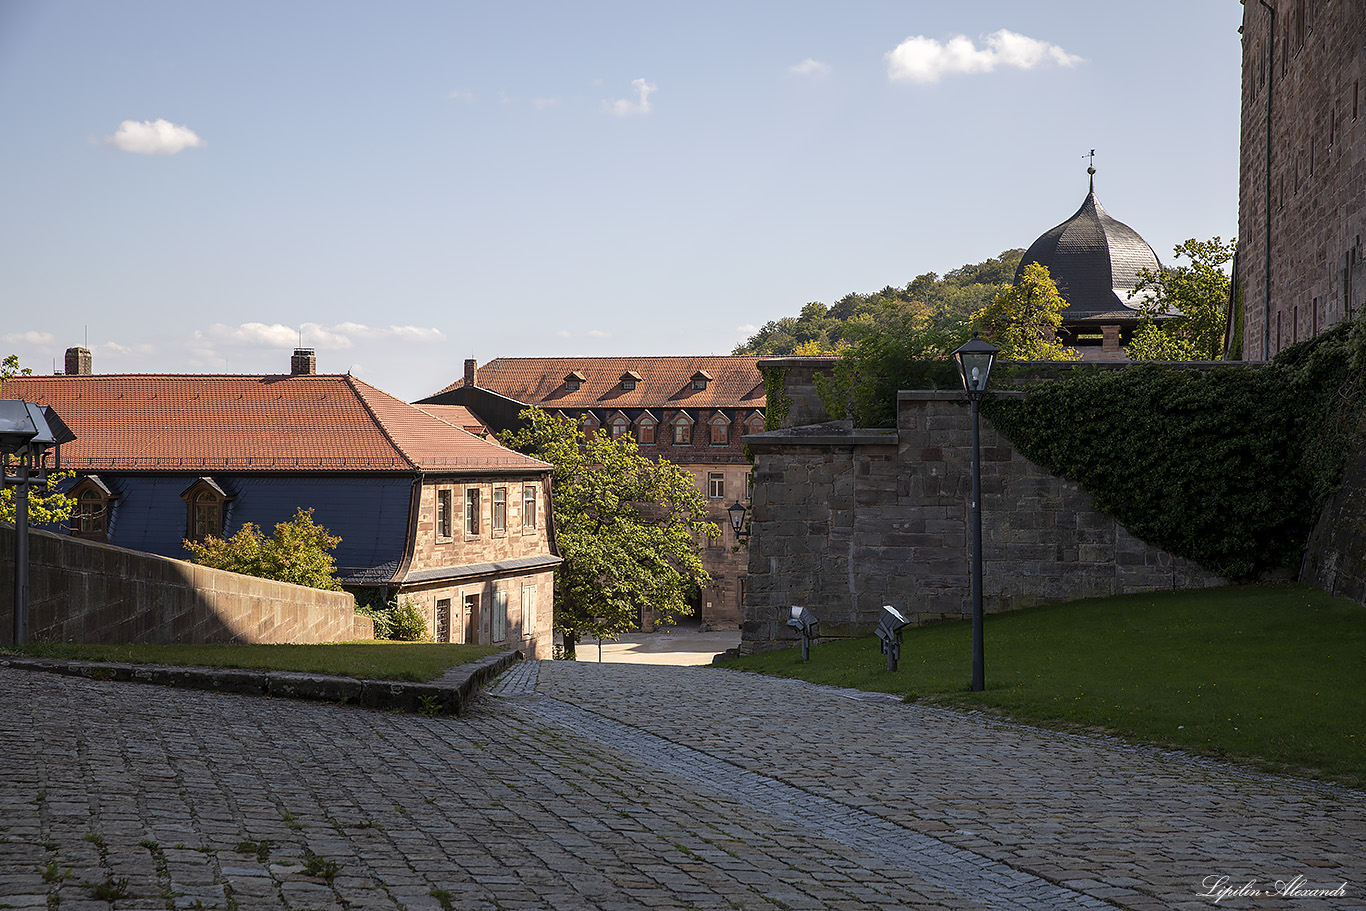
410	661
1270	674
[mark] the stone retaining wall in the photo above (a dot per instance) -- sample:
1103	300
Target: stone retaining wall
846	520
82	591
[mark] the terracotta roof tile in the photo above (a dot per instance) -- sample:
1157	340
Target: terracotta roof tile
313	422
457	416
664	381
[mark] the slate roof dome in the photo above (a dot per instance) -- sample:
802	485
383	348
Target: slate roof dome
1094	260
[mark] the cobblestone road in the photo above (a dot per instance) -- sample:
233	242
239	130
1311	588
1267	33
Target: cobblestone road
578	786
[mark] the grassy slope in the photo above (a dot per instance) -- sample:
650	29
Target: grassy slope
367	660
1266	673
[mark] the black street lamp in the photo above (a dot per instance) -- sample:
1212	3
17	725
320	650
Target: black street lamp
975	358
27	431
736	511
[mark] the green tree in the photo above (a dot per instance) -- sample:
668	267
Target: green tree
45	505
1022	319
628	528
300	552
1183	313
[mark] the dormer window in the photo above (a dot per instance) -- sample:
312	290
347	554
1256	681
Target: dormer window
720	430
645	429
574	381
90	517
682	430
755	424
629	380
206	504
619	425
700	379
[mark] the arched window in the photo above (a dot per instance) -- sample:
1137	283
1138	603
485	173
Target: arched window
682	430
720	430
756	424
645	429
619	426
90	517
588	423
206	503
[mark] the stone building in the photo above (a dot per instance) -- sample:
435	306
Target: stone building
1094	260
426	510
690	410
1302	174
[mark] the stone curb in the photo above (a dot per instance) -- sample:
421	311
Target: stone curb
451	694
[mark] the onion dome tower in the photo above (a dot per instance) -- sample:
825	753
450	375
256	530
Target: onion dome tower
1094	261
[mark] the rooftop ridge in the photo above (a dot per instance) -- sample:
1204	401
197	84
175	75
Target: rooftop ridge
353	382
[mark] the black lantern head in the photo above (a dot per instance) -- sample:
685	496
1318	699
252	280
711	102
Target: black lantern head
975	358
737	516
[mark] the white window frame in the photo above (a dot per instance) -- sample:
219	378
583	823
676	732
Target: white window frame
499	620
528	611
443	513
500	510
716	485
528	508
472	512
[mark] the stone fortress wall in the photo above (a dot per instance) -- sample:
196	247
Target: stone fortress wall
846	520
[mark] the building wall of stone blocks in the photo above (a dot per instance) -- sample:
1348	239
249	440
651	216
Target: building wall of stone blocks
1315	179
83	591
433	551
846	520
475	627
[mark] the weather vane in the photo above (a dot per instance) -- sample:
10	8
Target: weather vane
1091	169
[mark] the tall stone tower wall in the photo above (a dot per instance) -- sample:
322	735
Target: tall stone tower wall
1303	75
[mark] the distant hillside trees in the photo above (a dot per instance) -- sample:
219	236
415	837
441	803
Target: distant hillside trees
927	300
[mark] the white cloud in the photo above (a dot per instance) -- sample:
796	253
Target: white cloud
461	95
30	338
809	67
747	329
565	333
541	104
598	333
311	335
154	137
925	60
625	107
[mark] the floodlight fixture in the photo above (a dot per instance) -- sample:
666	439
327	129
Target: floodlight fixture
889	628
17	427
804	622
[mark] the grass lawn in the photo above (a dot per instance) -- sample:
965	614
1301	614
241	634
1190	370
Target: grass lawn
1273	674
385	660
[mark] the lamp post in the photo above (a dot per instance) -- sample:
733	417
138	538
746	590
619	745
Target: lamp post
27	431
975	358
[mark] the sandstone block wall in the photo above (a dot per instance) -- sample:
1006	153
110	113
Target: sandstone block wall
82	591
846	520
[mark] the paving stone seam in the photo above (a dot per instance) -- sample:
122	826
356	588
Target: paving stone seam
955	870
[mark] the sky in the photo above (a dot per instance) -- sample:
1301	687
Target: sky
201	187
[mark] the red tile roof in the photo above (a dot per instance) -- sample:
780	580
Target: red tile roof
664	381
456	415
309	422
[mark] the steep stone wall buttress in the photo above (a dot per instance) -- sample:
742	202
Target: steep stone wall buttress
846	520
1335	559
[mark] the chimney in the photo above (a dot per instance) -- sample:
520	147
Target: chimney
471	374
303	362
78	362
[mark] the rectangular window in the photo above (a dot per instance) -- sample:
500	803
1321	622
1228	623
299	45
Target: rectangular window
471	510
528	611
647	432
443	620
716	485
682	433
500	615
443	513
500	509
528	508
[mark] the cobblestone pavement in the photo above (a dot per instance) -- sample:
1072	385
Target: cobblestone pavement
576	786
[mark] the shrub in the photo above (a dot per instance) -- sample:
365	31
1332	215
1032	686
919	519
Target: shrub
407	624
